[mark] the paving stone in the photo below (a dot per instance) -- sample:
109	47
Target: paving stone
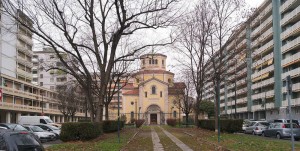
157	146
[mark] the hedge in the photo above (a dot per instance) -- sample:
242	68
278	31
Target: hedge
80	131
112	126
171	122
227	125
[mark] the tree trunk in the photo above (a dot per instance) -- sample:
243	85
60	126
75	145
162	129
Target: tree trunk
186	120
106	111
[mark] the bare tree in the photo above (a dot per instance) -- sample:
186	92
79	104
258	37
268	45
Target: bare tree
224	11
68	99
184	100
90	32
192	43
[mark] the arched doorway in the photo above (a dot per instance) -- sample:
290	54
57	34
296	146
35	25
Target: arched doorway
154	115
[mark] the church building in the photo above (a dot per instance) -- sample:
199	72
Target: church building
151	92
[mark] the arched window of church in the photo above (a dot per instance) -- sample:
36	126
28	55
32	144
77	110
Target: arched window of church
163	62
169	80
153	90
155	61
150	61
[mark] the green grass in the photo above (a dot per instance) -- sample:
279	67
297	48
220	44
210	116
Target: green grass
141	142
106	142
248	142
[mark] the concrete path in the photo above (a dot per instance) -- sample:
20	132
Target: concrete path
157	146
179	143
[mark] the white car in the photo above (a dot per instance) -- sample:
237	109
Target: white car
50	128
43	135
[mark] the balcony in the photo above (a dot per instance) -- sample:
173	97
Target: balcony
241	91
292	15
291	59
287	5
24	62
263	83
291	45
24	49
290	31
35	60
295	87
262	37
241	100
265	47
259	29
23	73
292	73
242	109
260	107
268	94
262	14
263	71
294	102
262	60
26	39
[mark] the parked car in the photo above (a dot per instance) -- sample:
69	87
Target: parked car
43	135
11	140
256	127
286	121
282	130
246	123
50	128
13	126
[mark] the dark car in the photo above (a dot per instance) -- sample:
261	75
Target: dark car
16	127
11	140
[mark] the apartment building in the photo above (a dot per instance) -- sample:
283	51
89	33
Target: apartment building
267	50
43	61
17	95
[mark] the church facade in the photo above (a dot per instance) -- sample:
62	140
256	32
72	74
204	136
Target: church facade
151	92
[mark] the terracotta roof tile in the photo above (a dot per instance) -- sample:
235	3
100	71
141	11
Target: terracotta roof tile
132	92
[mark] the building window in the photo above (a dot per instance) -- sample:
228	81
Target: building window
156	61
143	62
163	62
153	61
145	94
150	61
51	87
153	90
132	115
169	80
41	75
174	114
41	83
160	93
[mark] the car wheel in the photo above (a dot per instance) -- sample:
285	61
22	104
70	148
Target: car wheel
278	136
263	134
253	133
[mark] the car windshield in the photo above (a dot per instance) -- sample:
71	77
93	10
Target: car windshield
278	121
17	127
48	120
53	127
251	124
264	124
36	129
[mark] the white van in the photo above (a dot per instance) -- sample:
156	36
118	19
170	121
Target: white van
32	120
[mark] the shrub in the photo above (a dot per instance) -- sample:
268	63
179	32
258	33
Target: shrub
110	126
132	120
227	125
171	122
80	131
139	123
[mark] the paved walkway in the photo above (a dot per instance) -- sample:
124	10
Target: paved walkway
157	146
179	143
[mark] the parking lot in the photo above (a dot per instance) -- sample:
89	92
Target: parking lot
48	144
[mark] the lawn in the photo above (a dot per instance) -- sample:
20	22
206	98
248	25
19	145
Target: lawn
106	142
228	141
141	142
167	143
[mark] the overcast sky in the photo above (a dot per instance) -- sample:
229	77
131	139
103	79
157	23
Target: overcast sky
254	3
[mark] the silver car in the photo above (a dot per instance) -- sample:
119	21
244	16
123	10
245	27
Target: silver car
256	127
43	135
282	130
50	128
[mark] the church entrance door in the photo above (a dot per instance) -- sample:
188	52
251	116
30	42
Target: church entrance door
153	118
